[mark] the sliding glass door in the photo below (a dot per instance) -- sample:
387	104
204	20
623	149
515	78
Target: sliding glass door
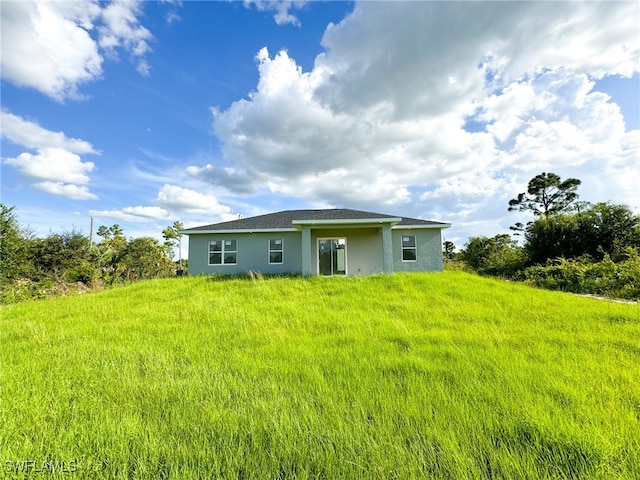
332	256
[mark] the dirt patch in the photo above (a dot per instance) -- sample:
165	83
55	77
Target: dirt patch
609	299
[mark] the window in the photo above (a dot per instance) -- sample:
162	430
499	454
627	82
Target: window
223	252
409	251
276	250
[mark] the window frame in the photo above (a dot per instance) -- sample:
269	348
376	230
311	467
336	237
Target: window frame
223	252
414	248
273	250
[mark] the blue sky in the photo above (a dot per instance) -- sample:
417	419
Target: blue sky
143	113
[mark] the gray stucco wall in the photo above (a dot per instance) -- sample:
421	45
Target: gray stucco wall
429	250
364	251
253	253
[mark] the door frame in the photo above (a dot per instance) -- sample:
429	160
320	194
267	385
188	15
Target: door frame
346	263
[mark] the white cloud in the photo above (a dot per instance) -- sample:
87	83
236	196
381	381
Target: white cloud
57	159
53	164
119	215
382	118
172	15
52	46
340	185
596	38
281	7
122	29
173	200
139	214
148	212
47	46
239	182
31	135
184	200
74	192
285	137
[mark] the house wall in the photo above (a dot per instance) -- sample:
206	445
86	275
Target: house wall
429	249
364	249
253	253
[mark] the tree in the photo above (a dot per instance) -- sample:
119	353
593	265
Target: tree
15	244
609	228
603	229
109	253
173	237
546	194
499	255
552	237
57	255
146	258
107	233
448	250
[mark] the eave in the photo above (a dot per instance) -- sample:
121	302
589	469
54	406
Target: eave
238	230
342	223
410	227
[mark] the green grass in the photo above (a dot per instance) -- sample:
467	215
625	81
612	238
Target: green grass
406	376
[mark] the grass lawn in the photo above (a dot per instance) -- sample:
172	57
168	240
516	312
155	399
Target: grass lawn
405	376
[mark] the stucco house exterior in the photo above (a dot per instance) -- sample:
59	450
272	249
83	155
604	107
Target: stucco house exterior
317	242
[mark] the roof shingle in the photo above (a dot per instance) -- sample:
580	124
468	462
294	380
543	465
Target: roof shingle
285	219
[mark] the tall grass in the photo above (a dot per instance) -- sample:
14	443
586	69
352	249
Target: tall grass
405	376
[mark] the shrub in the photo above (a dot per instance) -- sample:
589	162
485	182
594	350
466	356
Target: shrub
85	273
498	256
583	275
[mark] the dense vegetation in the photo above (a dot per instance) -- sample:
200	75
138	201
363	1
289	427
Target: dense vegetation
405	376
32	267
571	246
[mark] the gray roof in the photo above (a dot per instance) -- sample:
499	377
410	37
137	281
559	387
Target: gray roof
280	220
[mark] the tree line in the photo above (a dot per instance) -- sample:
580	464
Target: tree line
32	267
568	245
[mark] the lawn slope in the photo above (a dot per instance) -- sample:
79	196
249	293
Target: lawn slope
404	376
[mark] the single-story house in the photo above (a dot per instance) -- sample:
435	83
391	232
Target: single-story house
317	242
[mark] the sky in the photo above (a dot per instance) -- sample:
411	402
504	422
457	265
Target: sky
145	113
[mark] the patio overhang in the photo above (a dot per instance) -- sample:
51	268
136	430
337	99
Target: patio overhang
346	223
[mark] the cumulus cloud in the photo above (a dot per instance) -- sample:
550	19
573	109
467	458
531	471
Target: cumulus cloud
438	106
139	214
281	7
74	192
55	47
56	160
31	135
149	212
54	164
122	29
174	202
47	46
185	200
332	155
239	182
119	215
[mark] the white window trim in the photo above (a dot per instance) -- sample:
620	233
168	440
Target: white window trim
269	251
403	248
222	252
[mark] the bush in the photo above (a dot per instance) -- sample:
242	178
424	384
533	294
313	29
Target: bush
499	256
583	275
85	273
25	289
602	229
